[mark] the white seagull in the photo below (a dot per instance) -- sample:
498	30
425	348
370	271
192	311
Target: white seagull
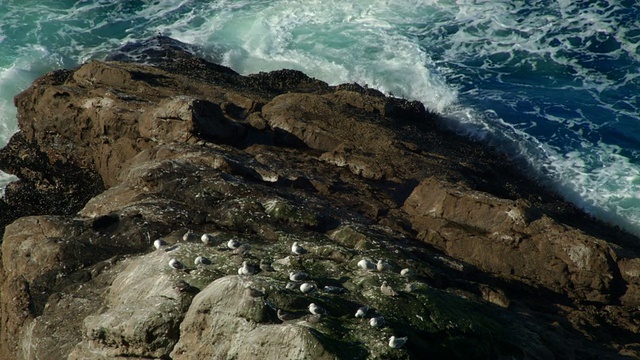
297	275
298	249
386	289
376	321
316	310
201	260
307	288
189	236
246	269
362	311
176	264
406	272
333	289
233	244
207	239
291	285
285	316
397	342
383	266
159	243
366	264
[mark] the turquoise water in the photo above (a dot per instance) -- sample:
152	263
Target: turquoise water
555	83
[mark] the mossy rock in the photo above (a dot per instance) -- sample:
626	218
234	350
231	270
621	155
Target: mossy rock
352	237
281	209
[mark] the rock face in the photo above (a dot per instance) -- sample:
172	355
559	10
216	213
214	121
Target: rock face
113	156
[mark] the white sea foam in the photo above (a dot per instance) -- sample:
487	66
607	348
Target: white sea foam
12	80
334	41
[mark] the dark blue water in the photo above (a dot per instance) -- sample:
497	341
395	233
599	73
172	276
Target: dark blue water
555	83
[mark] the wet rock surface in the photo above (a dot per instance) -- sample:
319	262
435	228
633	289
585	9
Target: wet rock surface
442	241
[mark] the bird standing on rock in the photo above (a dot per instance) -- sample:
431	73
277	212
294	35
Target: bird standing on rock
298	249
201	260
297	275
176	264
285	316
182	287
316	310
362	311
246	269
376	321
406	272
189	236
233	244
383	266
307	288
159	244
366	264
207	239
333	289
291	285
241	250
386	289
397	342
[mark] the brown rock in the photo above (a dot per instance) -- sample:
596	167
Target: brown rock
499	236
271	159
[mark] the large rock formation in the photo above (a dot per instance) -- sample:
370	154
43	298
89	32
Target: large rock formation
113	156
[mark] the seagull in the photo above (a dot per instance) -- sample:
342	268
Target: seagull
333	289
233	244
241	250
285	316
406	272
397	342
176	264
207	239
291	286
376	321
362	311
297	275
182	286
298	249
246	269
366	264
159	243
383	266
386	289
307	288
201	260
316	310
189	236
171	248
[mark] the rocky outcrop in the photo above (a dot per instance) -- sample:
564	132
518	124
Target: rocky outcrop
496	267
485	230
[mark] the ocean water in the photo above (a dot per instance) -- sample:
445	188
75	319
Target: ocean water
555	83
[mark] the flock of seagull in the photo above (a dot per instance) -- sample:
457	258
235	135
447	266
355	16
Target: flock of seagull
296	277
